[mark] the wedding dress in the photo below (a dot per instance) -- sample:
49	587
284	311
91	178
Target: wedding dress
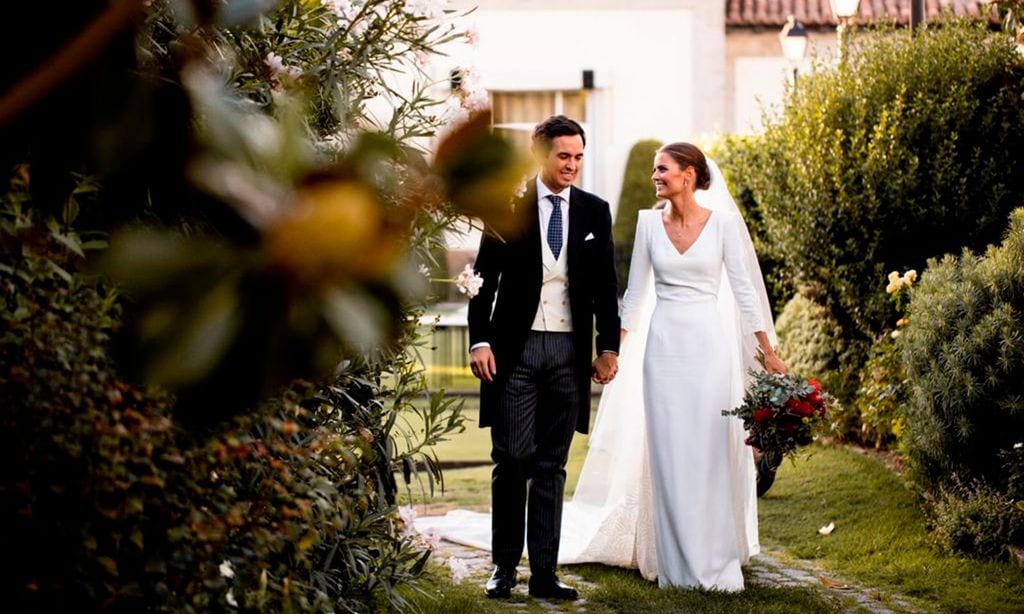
669	489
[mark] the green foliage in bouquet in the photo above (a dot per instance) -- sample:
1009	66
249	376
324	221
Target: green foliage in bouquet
780	413
637	194
964	351
909	149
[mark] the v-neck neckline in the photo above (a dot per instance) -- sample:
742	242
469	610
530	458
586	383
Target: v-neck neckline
689	248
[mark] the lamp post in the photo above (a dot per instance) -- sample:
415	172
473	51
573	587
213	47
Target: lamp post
793	39
844	10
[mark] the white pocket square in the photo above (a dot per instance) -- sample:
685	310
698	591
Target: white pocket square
589	237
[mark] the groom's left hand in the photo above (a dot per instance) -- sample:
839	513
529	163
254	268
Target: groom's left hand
605	368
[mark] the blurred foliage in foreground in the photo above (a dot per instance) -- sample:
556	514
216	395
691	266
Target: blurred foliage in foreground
210	276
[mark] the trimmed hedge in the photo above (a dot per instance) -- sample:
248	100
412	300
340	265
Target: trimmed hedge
812	344
637	193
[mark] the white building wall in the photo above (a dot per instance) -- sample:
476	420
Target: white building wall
659	67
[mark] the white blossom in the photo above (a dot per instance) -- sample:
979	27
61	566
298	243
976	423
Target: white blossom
347	14
407	515
1018	445
230	598
476	100
424	270
469	281
454	112
472	35
226	570
432	540
380	12
278	69
471	91
459	569
338	7
428	9
424	58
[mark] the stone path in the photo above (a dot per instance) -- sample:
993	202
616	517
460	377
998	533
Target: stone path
766	570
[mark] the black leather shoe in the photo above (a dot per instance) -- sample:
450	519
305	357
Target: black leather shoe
500	585
548	587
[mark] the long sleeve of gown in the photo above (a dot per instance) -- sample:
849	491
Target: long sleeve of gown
734	250
641	274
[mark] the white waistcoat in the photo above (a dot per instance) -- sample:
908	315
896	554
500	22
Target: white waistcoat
553	314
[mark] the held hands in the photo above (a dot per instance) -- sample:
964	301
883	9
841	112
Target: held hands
771	361
604	369
481	363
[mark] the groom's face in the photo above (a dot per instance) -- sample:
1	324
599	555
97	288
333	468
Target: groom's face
560	166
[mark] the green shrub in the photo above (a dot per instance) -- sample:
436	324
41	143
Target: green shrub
977	520
734	154
910	149
964	351
110	502
244	486
637	194
884	391
811	343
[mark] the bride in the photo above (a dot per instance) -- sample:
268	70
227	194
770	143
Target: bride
668	485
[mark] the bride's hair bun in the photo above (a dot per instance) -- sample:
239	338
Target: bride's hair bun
687	155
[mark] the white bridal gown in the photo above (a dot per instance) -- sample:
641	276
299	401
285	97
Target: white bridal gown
669	489
702	474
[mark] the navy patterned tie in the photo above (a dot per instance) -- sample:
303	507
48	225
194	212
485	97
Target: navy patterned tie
555	225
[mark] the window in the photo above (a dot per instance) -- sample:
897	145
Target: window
516	113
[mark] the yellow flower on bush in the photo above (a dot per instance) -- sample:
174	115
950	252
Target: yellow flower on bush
897	281
336	228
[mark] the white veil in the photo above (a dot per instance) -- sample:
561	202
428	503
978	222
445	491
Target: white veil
609	519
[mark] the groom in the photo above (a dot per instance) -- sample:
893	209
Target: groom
533	351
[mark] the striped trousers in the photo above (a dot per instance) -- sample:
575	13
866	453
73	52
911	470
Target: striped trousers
530	439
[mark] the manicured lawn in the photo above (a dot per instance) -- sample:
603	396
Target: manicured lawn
620	590
879	542
880	538
470	488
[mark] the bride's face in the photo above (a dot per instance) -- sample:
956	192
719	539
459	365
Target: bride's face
669	179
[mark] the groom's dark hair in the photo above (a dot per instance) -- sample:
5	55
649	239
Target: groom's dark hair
555	126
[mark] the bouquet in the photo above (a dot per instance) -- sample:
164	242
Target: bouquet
780	413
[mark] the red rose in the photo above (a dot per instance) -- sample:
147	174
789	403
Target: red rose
763	414
815	398
804	410
799	408
814	383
